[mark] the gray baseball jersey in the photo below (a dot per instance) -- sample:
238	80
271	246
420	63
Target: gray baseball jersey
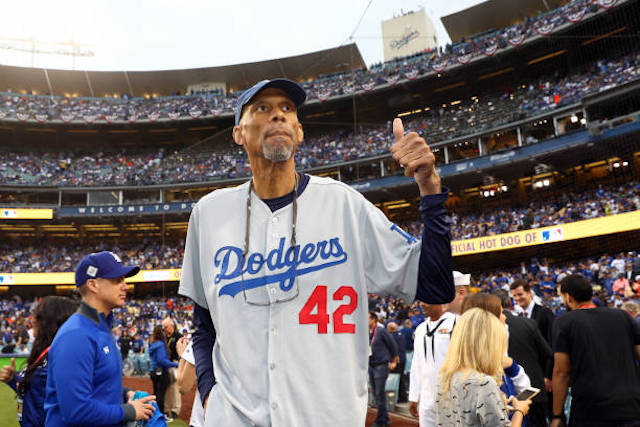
303	361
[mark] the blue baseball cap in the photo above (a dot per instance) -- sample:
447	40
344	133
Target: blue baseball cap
291	88
105	264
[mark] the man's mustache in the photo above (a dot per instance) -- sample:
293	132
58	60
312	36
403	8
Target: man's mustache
279	131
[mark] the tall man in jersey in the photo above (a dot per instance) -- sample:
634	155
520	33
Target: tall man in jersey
280	267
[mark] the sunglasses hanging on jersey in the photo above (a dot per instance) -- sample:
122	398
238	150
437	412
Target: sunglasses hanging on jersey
273	296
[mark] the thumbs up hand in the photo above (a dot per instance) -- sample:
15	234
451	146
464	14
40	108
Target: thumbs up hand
8	372
415	156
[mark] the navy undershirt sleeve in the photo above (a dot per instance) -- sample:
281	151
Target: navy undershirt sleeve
204	337
435	272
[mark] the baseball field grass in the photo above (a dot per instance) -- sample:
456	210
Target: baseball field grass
7	407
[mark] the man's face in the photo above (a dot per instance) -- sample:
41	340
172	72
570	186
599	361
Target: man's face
372	322
111	292
431	310
167	327
455	306
269	127
565	299
522	297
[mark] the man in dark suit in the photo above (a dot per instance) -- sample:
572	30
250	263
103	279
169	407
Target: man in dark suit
401	341
528	347
543	316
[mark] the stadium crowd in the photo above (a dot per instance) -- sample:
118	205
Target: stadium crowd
137	319
603	272
155	166
64	257
130	109
138	326
546	210
541	211
614	277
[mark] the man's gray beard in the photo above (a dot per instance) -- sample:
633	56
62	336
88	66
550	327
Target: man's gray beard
276	154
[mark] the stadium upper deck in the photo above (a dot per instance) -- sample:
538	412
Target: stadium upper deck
317	72
537	103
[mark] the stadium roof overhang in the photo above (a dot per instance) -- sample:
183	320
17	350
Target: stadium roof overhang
166	82
494	14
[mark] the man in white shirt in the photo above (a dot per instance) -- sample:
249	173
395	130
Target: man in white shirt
430	347
619	263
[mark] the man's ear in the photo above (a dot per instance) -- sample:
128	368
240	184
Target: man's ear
238	135
300	133
92	286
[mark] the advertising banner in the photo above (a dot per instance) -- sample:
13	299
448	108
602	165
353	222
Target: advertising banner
540	236
18	213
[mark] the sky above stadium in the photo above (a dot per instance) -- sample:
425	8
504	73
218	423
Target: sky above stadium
164	34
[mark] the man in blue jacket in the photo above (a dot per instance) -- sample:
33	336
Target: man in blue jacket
84	386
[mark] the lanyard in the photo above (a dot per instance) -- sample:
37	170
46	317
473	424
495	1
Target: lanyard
245	250
20	393
374	336
46	350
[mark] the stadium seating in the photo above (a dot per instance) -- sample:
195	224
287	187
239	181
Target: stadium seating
43	108
155	166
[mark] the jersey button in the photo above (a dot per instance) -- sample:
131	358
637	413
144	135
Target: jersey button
272	290
275	219
272	366
274	405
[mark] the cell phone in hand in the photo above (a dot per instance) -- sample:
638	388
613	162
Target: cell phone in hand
527	393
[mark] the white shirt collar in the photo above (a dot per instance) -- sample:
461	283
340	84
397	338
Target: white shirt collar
529	309
445	315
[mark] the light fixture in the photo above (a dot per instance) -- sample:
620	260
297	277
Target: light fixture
574	119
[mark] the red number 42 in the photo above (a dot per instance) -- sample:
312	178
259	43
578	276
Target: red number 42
318	299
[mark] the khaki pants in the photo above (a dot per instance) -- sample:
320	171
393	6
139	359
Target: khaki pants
172	397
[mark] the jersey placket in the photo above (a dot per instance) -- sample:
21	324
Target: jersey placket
278	226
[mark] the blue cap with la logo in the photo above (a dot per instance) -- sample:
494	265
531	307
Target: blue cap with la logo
105	264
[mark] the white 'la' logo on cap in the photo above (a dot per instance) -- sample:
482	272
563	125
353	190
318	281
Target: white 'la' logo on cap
116	257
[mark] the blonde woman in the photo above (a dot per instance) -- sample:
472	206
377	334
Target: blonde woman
468	390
